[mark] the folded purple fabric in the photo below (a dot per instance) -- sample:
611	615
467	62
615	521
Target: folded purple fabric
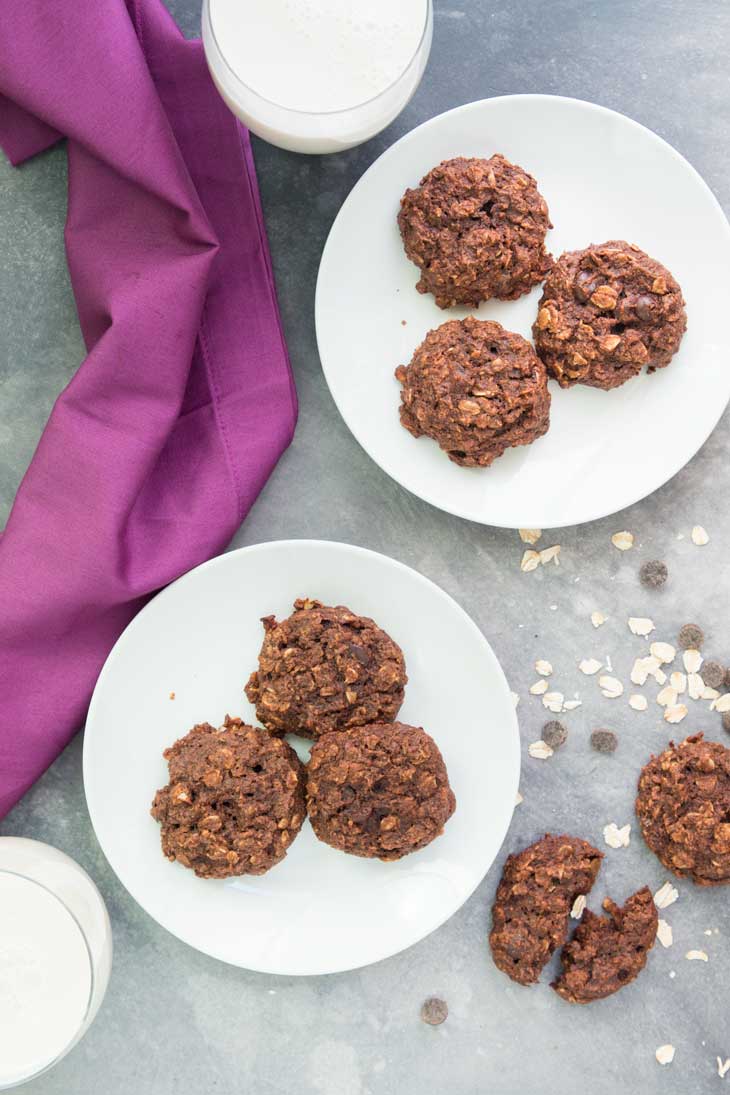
159	445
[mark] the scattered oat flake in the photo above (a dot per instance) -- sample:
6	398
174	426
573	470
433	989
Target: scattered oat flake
667	697
615	837
518	799
553	701
696	956
695	686
578	906
530	535
675	713
678	682
692	660
722	1067
641	625
515	698
622	540
665	1054
597	618
570	705
539	687
610	687
709	693
639	703
639	671
665	652
549	554
664	933
530	561
699	536
721	703
543	668
540	750
589	666
666	895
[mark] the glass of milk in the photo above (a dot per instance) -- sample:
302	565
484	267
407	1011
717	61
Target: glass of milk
317	75
55	957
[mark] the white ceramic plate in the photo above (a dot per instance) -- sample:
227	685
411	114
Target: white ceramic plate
319	911
604	177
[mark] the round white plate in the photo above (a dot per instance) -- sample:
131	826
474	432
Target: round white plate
319	911
604	177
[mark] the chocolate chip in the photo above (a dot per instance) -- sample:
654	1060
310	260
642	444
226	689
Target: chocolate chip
604	741
713	674
691	637
554	734
434	1011
645	308
653	574
726	721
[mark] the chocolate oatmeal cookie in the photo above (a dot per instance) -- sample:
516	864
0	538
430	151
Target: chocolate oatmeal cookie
476	229
607	952
535	895
325	669
234	803
605	313
378	791
476	389
683	806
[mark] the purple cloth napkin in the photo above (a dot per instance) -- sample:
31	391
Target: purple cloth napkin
159	445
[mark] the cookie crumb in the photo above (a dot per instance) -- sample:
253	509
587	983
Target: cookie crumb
598	618
691	637
604	741
554	734
623	540
726	721
653	574
713	674
434	1011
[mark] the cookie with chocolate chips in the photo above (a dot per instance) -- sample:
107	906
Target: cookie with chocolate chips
476	389
324	669
234	803
379	791
531	910
683	806
607	952
476	229
606	313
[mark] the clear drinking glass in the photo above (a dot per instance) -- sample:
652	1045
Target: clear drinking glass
309	131
55	957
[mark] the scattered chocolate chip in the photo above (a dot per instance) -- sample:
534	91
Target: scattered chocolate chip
726	721
434	1011
691	637
713	674
554	734
653	574
604	741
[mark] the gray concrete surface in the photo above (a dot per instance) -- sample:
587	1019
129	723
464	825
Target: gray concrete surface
175	1021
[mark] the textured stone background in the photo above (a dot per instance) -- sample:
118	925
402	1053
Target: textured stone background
175	1021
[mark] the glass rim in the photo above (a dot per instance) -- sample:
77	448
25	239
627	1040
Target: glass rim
92	983
339	111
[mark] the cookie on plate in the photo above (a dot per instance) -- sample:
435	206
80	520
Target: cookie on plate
607	952
324	669
476	389
532	907
378	791
606	313
476	229
683	806
234	803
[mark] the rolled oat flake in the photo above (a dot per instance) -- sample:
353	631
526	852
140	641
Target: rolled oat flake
604	741
434	1011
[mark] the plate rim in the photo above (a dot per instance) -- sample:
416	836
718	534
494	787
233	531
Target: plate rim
510	731
446	507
